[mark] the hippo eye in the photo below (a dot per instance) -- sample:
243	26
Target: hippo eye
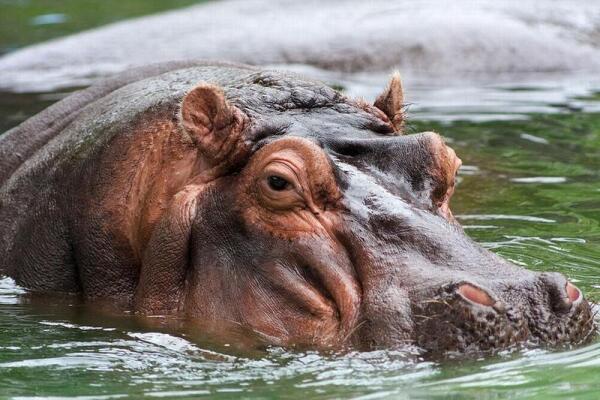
277	183
279	186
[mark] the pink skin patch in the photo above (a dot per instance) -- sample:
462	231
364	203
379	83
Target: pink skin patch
573	292
475	295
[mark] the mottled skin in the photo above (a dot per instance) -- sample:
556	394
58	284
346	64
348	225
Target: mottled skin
232	196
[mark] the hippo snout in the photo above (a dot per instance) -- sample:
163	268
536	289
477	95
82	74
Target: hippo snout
467	317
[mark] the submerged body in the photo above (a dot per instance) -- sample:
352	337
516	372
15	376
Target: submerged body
226	194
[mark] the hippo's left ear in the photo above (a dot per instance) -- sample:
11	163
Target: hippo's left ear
391	102
214	125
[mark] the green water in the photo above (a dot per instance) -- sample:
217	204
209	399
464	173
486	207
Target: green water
529	190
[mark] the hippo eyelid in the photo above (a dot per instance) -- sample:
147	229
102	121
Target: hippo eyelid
290	167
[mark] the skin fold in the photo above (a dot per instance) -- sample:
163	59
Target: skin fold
236	198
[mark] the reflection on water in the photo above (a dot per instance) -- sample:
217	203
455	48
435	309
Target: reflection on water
529	190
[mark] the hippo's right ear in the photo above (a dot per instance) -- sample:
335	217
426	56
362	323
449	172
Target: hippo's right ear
214	125
391	102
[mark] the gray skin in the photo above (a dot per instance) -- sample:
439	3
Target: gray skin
110	195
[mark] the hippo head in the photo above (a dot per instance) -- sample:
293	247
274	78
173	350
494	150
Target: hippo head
316	222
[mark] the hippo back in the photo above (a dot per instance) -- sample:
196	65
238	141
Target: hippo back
21	142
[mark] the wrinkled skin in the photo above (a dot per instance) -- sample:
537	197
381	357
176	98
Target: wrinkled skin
231	196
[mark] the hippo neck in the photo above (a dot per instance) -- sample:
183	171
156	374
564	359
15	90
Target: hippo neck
165	160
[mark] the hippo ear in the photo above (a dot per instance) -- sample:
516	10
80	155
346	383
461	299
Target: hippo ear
391	102
214	125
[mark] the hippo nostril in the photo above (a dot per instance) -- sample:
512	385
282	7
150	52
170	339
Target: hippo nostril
476	295
573	292
562	293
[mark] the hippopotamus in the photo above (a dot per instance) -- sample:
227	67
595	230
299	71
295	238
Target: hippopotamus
229	196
